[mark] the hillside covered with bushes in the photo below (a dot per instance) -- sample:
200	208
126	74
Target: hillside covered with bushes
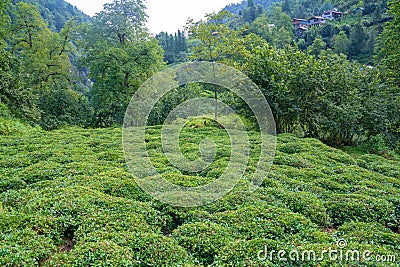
57	12
354	34
67	199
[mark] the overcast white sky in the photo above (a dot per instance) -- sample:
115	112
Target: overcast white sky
164	15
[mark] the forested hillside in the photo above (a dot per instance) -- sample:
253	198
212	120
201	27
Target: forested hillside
237	8
355	34
308	8
56	12
45	73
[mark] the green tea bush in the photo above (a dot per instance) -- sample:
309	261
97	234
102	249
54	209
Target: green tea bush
24	247
376	144
301	202
43	170
263	221
137	248
301	174
292	160
237	198
379	164
343	208
245	253
332	186
68	199
10	126
203	240
99	253
369	233
11	184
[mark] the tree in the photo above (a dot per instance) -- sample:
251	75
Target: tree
4	21
390	54
357	40
45	67
252	11
214	37
279	18
370	43
175	46
318	93
341	43
120	56
276	27
390	45
281	37
312	34
317	47
56	12
28	27
122	20
19	100
260	27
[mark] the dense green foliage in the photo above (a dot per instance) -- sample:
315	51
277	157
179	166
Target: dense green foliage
67	199
361	24
81	74
390	53
120	56
315	94
86	74
37	71
56	12
175	46
239	7
390	45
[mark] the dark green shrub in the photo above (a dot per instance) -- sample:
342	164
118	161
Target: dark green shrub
301	202
292	160
245	253
369	233
98	253
344	208
24	247
263	221
203	240
379	164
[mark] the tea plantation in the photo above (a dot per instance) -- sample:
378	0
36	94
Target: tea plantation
68	199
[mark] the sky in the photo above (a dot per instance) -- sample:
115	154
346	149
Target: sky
164	15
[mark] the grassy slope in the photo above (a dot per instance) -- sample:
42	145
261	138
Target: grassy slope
67	199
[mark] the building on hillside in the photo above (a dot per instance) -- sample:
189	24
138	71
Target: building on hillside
316	20
332	14
300	23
